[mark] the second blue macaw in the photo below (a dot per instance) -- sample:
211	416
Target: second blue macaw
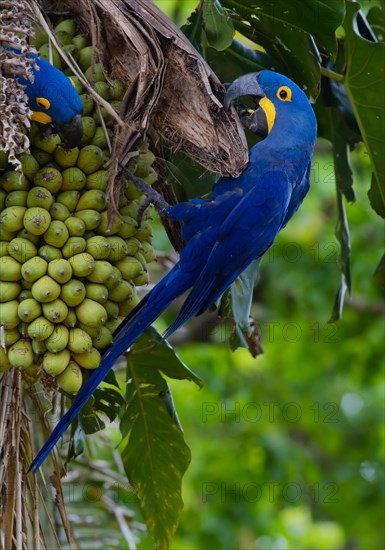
236	226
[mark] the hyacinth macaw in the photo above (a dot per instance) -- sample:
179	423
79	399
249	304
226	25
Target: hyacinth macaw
53	99
227	232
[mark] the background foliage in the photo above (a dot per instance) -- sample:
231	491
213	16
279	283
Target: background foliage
287	448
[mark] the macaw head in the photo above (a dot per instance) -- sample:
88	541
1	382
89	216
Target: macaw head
279	107
54	100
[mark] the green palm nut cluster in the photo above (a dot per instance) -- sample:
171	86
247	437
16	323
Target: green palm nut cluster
67	272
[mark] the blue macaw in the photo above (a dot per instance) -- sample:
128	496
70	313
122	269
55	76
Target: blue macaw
227	232
53	99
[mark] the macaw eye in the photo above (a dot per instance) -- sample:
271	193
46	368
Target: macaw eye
43	103
284	93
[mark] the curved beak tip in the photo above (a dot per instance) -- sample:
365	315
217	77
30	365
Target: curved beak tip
244	85
72	133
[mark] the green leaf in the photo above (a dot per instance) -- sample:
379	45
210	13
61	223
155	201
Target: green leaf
152	353
320	18
236	305
376	19
188	178
193	30
291	45
156	456
217	24
365	85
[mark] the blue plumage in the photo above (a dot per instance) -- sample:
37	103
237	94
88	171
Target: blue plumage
230	230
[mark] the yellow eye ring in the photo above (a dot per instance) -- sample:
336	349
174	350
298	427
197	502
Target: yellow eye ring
43	103
284	93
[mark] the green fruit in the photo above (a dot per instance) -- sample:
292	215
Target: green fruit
97	292
55	311
90	159
38	348
46	143
113	279
122	291
40	329
40	196
103	339
131	192
34	269
50	178
20	354
93	199
74	245
56	234
142	168
112	309
76	226
45	289
102	271
25	234
10	336
71	320
88	104
141	259
14	181
22	327
148	252
9	291
46	52
128	228
81	41
50	253
8	314
98	247
73	293
3	161
129	268
10	269
71	50
133	246
89	128
40	37
28	310
85	57
3	196
29	165
6	235
55	363
12	218
59	212
66	25
102	89
82	264
63	38
16	198
100	139
144	233
93	331
151	177
126	307
69	199
112	324
3	248
95	73
4	363
91	313
90	360
73	179
118	249
58	340
41	156
36	220
79	341
22	249
26	285
117	90
60	270
25	295
91	218
141	280
66	157
71	379
106	227
98	180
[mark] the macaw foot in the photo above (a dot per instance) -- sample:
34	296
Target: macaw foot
151	196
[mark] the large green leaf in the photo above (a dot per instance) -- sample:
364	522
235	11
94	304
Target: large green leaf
156	456
217	24
320	18
365	85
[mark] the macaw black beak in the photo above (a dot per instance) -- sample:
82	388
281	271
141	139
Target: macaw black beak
256	120
71	133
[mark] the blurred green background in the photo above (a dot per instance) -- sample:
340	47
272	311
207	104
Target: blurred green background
288	448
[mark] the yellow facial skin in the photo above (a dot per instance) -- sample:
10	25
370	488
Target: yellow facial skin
268	108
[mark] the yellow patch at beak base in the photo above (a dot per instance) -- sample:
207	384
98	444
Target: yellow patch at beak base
43	118
269	110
